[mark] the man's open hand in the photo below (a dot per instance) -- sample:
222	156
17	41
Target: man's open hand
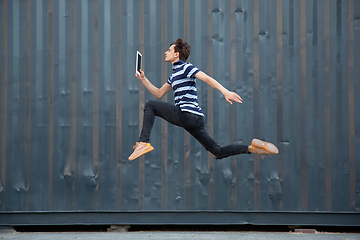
232	96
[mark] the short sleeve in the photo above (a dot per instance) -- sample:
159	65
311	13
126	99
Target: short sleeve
192	71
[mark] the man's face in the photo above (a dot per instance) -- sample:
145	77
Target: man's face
171	55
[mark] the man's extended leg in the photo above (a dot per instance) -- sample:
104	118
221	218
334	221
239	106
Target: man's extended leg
201	134
257	146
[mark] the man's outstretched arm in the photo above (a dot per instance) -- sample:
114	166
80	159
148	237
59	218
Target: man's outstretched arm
229	96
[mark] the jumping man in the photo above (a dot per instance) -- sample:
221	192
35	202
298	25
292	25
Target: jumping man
186	112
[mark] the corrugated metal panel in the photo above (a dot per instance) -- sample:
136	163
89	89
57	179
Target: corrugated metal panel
71	107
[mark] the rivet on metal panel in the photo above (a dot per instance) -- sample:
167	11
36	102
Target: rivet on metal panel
263	34
227	174
216	10
239	10
275	190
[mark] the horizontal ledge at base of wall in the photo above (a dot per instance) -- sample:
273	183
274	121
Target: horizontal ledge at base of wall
179	218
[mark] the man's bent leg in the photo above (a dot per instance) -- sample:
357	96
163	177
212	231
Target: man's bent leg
152	109
166	111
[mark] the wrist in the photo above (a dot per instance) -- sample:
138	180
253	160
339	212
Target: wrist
224	91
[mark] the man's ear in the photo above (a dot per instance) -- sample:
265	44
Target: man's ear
177	54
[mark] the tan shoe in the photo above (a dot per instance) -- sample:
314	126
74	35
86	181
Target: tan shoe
262	148
140	149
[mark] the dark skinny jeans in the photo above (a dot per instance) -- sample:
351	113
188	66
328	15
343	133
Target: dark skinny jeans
192	123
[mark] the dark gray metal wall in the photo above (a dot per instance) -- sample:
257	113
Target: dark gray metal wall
71	107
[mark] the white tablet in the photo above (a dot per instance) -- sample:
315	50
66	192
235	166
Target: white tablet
138	62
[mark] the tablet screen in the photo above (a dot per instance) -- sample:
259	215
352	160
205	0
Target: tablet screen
138	62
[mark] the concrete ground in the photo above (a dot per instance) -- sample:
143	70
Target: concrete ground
178	235
170	233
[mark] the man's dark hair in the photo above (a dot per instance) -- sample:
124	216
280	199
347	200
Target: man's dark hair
183	48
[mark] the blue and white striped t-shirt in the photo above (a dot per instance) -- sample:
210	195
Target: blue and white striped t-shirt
183	82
